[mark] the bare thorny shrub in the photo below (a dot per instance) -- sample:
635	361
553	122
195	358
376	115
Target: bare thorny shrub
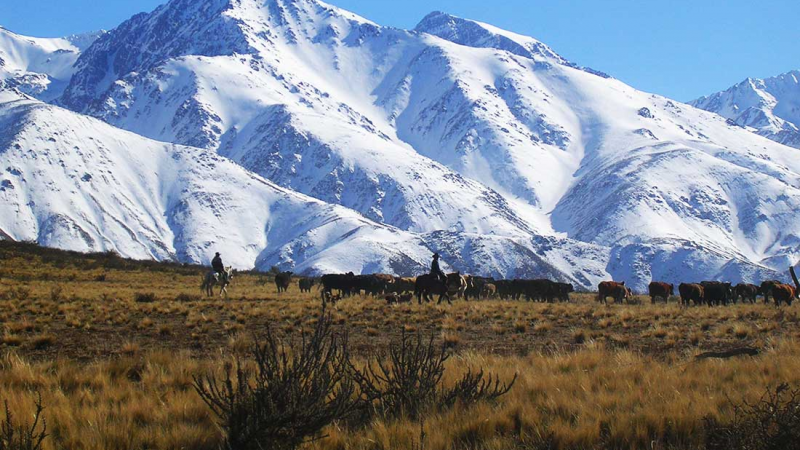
288	394
771	423
410	382
23	437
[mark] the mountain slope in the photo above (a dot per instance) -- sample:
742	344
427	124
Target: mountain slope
73	182
457	131
76	183
270	113
37	66
771	106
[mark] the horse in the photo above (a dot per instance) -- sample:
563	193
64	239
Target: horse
212	279
428	284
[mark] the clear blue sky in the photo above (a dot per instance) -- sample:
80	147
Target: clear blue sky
679	48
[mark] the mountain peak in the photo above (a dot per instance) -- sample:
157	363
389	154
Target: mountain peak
769	105
39	67
82	41
457	28
472	33
281	11
434	15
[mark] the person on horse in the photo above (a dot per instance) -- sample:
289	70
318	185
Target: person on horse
217	266
436	271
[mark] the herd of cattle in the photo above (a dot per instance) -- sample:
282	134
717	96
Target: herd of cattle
711	293
403	290
424	287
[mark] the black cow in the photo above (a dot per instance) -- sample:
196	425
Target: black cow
562	291
717	292
691	292
539	290
282	281
344	283
475	286
504	289
306	284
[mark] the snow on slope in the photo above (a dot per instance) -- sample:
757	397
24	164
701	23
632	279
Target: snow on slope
37	66
482	140
76	183
279	114
771	106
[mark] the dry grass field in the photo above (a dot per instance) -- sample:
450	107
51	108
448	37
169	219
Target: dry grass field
114	365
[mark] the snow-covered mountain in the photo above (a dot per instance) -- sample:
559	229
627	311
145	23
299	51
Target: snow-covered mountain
74	182
38	66
77	183
770	106
479	143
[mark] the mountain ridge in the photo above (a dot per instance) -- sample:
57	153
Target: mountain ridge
40	66
769	106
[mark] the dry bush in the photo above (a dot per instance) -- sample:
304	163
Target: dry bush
11	340
410	384
130	348
579	336
186	298
56	293
15	436
21	293
771	423
144	297
291	395
43	341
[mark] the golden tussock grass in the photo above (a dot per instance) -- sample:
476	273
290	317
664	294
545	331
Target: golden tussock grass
116	373
575	400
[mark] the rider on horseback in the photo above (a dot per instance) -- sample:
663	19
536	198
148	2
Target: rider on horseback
217	266
436	271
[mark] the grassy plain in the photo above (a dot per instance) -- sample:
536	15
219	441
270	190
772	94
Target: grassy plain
116	373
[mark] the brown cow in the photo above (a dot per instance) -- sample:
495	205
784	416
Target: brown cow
746	291
383	281
488	290
663	290
402	285
617	291
693	292
783	293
